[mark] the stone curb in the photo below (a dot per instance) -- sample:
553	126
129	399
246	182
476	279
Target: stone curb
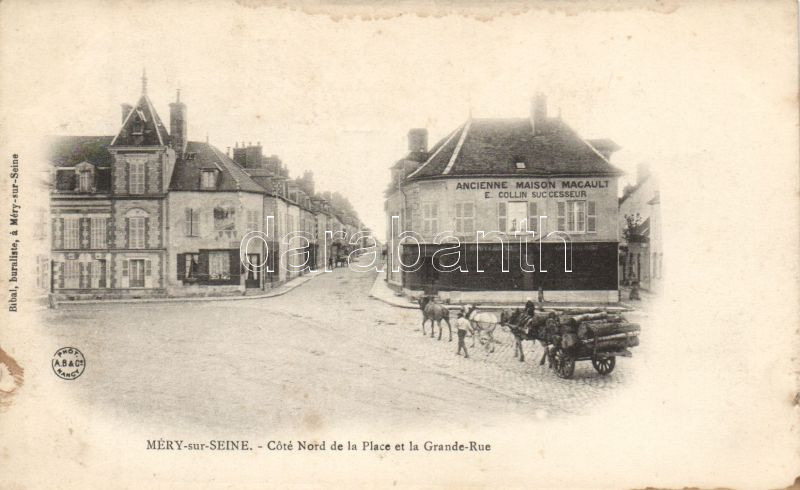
285	288
403	303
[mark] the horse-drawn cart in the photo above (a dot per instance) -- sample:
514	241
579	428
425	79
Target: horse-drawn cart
599	342
598	336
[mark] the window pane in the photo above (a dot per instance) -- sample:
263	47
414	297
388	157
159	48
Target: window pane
98	239
136	233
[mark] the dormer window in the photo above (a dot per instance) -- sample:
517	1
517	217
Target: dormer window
85	177
520	165
208	179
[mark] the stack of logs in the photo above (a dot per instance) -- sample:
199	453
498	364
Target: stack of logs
600	329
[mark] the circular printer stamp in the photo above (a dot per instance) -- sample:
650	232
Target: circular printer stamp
68	363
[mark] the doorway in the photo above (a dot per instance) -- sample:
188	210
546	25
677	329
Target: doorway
251	280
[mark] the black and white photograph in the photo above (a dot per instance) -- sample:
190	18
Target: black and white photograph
400	244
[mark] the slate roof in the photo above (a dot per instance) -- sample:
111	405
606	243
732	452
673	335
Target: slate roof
199	156
154	132
68	151
492	147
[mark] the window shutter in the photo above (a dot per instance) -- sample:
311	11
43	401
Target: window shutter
84	233
459	217
147	267
562	216
60	274
127	232
81	275
181	267
502	224
591	216
533	217
124	268
145	171
146	233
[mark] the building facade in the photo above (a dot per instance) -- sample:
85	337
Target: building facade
147	212
641	249
502	208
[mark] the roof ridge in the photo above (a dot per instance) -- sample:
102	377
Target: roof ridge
457	150
455	131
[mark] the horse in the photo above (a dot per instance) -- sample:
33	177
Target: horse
481	322
524	327
434	312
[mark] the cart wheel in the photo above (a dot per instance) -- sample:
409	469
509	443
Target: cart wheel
604	365
564	364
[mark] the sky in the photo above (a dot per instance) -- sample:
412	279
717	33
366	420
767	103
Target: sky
337	95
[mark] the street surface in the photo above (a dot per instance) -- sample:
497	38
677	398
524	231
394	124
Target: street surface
324	353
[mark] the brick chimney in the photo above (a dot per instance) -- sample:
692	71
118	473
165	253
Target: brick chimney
538	113
418	140
126	109
249	156
177	125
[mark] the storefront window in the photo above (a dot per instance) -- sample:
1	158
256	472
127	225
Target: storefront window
219	265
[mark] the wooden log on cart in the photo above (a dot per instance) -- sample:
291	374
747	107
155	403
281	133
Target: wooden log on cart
580	312
588	317
614	344
601	329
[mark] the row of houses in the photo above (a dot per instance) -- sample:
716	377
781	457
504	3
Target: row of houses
148	212
503	209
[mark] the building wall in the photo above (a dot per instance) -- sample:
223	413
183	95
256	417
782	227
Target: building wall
445	193
206	237
594	261
643	261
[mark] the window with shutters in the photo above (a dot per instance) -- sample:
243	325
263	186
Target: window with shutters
219	265
136	232
465	217
71	233
191	226
136	271
517	216
136	178
72	274
573	216
98	237
430	217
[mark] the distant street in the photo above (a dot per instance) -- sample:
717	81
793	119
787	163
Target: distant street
323	353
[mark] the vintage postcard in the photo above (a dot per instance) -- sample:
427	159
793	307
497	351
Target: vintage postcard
534	244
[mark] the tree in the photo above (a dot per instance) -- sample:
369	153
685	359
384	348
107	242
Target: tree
632	232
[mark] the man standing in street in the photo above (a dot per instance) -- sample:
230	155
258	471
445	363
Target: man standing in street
463	326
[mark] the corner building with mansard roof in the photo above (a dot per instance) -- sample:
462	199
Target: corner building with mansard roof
512	176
